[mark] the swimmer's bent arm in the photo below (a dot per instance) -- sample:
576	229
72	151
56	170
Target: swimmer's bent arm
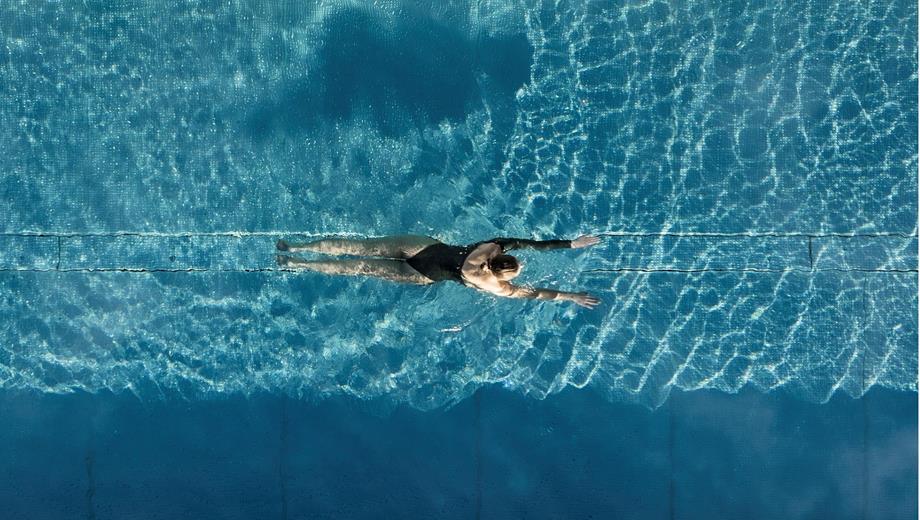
508	244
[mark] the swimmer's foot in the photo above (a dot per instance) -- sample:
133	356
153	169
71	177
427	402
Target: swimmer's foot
281	245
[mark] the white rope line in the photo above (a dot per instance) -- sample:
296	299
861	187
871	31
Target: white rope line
238	234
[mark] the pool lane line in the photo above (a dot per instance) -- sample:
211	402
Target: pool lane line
811	258
141	270
153	234
589	271
795	234
240	234
746	270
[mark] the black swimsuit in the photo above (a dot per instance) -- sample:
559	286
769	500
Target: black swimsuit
440	262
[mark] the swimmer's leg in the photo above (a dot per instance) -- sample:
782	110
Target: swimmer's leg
400	246
388	269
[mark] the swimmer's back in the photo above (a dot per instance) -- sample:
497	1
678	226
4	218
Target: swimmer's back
440	262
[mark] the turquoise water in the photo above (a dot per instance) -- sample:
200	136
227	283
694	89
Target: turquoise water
728	153
751	168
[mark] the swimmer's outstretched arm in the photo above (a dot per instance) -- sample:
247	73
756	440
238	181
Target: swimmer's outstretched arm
508	244
513	291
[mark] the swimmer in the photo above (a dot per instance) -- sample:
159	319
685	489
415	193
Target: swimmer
423	260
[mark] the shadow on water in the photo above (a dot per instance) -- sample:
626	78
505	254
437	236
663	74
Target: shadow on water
403	74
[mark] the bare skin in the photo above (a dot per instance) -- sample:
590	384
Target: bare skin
392	254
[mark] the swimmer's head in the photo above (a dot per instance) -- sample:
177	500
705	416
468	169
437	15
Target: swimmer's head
505	267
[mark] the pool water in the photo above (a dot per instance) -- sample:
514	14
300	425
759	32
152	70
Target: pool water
751	168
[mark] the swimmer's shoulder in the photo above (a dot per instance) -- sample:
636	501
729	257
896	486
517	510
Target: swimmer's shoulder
475	270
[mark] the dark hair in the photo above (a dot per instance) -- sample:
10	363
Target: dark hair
503	263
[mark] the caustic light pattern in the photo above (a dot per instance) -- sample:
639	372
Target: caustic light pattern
751	167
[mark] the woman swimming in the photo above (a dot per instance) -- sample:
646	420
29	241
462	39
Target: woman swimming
424	260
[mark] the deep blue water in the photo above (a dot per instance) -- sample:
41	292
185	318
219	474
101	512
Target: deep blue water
750	166
703	454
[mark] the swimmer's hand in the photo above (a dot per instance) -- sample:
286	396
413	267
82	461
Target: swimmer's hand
583	299
584	241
